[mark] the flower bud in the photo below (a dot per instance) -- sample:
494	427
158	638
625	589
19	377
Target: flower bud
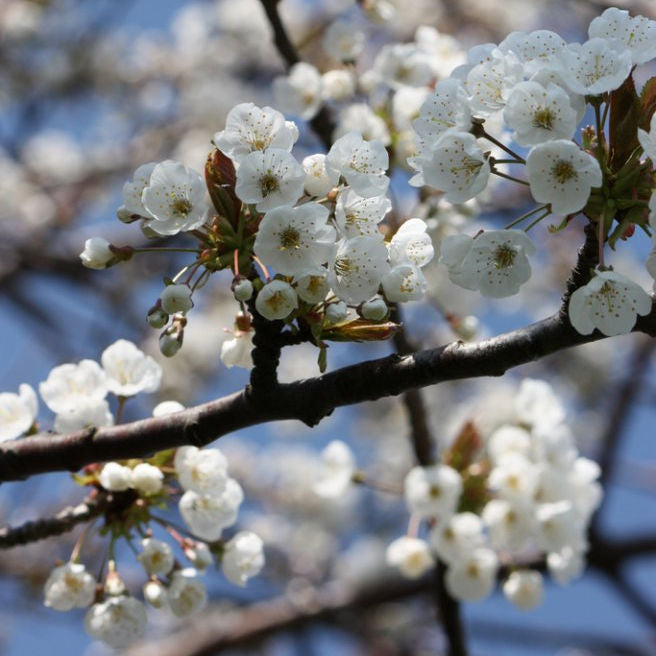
336	312
97	253
374	310
157	318
176	298
155	594
242	288
170	343
125	216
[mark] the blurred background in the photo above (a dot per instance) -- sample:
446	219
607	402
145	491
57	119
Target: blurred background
90	91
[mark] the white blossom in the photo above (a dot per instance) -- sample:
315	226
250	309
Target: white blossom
115	477
559	527
338	84
508	439
566	564
596	66
175	198
118	621
411	556
523	588
69	586
146	478
537	405
299	92
312	284
356	216
455	165
87	412
155	594
129	370
68	384
404	282
269	179
561	174
358	268
186	594
236	352
207	516
251	128
636	33
133	190
343	40
490	83
360	118
610	302
97	253
243	557
156	556
495	262
17	412
336	470
361	163
510	524
472	578
291	239
648	142
514	477
204	471
403	64
458	536
317	180
538	114
433	491
411	243
536	47
167	408
199	555
276	300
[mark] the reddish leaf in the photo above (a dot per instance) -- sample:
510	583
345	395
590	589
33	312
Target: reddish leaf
647	103
624	120
221	178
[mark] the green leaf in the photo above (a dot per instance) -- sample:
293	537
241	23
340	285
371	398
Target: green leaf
623	125
322	360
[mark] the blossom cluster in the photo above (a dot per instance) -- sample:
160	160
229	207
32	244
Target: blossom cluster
533	89
504	502
209	503
77	393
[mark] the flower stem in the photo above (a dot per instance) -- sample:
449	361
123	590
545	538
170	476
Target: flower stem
509	177
525	216
496	142
534	223
148	249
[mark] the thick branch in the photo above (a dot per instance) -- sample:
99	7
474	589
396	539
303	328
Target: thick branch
307	400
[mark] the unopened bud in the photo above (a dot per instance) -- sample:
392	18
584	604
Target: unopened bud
157	318
155	594
336	312
125	216
176	298
374	310
170	341
242	288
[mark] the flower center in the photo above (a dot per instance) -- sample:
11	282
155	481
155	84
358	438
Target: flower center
563	171
504	256
181	207
275	301
289	238
543	118
269	183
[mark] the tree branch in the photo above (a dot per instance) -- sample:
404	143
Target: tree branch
322	124
65	520
306	400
